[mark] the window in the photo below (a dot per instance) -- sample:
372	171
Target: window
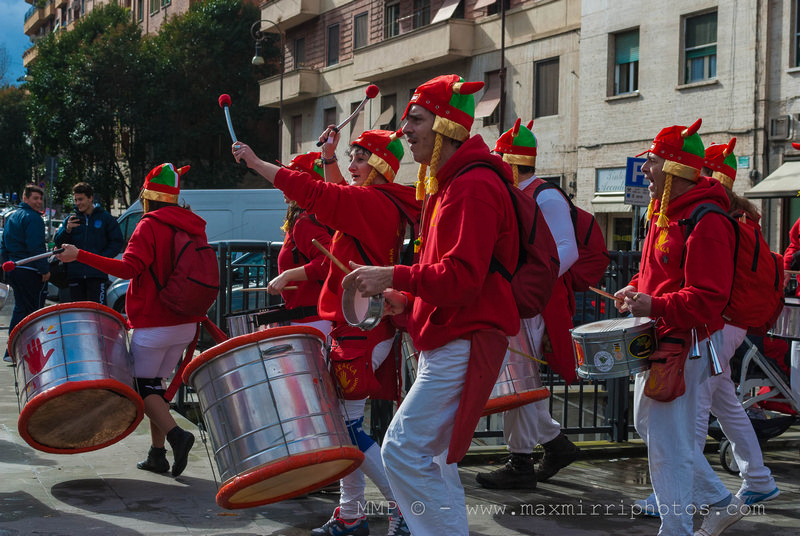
360	37
487	107
299	52
626	62
422	13
700	47
333	44
392	21
357	124
545	98
296	134
494	7
154	5
388	118
328	117
165	3
797	34
140	10
450	9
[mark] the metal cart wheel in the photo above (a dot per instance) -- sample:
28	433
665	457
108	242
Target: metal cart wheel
726	458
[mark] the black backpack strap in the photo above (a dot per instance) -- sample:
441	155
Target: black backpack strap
697	213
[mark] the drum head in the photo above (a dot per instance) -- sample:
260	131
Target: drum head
80	416
290	477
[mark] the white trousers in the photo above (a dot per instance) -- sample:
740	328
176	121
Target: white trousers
428	491
718	395
352	486
156	351
531	424
678	469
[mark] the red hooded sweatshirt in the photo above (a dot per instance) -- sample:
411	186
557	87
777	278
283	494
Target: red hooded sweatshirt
792	249
297	251
362	214
151	245
695	295
467	222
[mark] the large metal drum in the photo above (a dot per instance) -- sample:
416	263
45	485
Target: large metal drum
75	365
787	325
519	382
613	348
273	416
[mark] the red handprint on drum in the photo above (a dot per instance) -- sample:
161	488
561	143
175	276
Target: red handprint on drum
35	358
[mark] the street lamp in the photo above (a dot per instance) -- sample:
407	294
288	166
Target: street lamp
259	36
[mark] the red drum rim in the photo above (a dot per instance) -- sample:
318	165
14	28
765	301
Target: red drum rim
61	307
241	340
291	463
505	403
45	396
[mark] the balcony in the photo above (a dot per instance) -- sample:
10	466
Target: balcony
36	18
298	85
289	13
419	49
29	56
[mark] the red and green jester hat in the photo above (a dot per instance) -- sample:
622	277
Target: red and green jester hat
518	147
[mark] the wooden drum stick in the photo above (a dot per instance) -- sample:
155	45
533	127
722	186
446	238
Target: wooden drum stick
605	294
328	254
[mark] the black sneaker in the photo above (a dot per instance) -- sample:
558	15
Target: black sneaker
518	472
156	461
180	451
558	453
338	527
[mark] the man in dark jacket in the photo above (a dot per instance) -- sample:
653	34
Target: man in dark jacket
23	237
91	229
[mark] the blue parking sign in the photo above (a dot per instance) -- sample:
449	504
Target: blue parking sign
636	192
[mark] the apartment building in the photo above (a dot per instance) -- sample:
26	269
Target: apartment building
599	77
48	16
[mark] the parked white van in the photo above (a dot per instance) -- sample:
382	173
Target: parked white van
229	214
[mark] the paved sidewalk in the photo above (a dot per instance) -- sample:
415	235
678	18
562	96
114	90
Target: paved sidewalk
102	492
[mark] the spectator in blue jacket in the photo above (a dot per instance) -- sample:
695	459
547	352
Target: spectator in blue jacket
91	229
23	237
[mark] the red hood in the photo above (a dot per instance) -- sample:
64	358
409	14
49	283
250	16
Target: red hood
474	151
706	190
406	195
181	218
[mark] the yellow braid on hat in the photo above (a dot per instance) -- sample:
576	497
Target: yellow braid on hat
651	207
420	184
371	177
515	169
433	184
663	221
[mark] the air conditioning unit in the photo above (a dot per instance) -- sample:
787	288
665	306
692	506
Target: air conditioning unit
781	127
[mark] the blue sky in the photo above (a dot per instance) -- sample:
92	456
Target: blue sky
12	37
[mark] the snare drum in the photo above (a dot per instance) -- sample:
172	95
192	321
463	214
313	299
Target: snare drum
613	348
787	325
361	312
272	414
519	382
76	368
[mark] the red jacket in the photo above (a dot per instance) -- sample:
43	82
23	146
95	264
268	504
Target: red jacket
362	214
466	222
150	246
695	295
792	249
297	251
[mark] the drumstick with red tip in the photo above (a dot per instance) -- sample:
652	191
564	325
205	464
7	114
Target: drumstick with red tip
225	103
372	92
605	294
10	265
328	254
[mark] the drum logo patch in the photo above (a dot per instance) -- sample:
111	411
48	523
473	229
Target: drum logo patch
604	361
579	354
641	347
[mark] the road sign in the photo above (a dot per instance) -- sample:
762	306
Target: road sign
636	192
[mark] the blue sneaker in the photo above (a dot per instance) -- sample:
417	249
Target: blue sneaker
753	497
647	507
338	527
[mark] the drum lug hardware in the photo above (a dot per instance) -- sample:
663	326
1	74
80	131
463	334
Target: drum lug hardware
279	349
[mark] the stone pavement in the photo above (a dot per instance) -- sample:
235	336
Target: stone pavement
102	492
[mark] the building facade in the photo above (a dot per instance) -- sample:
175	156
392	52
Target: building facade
599	77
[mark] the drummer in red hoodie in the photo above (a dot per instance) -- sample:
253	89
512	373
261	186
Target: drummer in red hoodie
160	335
682	284
300	264
460	311
369	230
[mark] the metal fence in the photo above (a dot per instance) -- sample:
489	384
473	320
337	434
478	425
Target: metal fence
585	408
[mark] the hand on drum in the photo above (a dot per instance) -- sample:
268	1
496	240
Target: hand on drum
369	280
394	302
69	254
635	302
